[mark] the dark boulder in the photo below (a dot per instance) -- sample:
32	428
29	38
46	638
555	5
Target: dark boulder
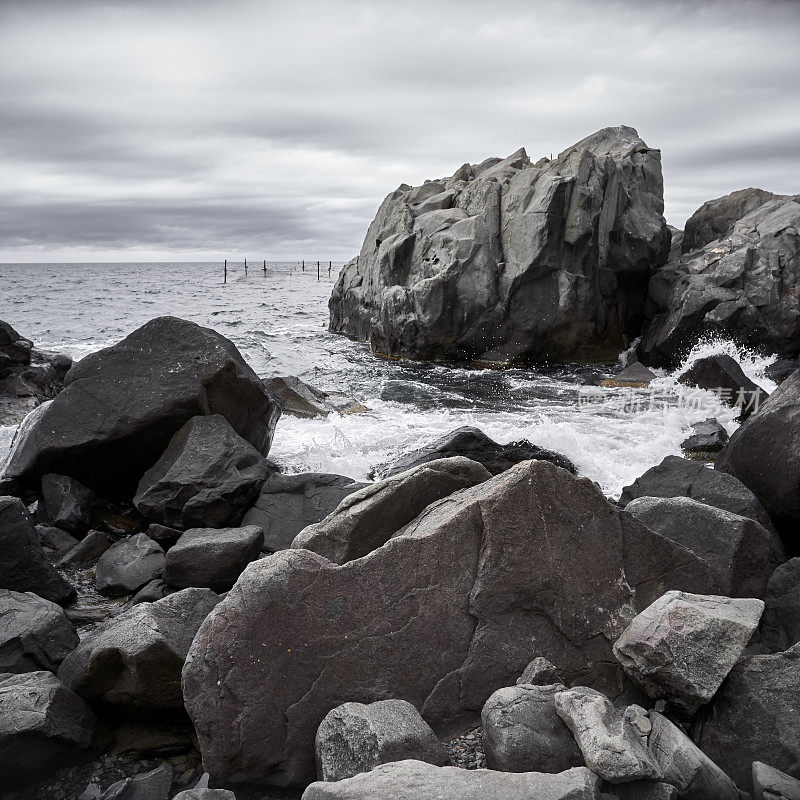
212	558
474	444
87	551
164	535
153	785
754	717
135	659
122	405
301	400
781	369
25	387
442	615
722	375
56	542
513	262
67	503
708	437
23	564
764	454
35	633
736	549
208	476
15	347
42	725
772	784
288	503
635	375
540	672
780	625
128	565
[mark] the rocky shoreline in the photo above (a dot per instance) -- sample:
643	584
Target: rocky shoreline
181	619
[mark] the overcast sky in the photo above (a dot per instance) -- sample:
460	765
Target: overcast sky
198	130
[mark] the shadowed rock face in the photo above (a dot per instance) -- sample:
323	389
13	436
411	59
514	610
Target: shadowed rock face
532	561
512	261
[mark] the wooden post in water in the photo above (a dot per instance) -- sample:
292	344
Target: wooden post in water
330	264
304	266
245	268
265	267
317	270
225	278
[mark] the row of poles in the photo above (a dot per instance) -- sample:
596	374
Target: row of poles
264	267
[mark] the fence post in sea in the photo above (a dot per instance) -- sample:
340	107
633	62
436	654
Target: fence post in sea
317	270
265	267
225	274
245	268
330	264
304	266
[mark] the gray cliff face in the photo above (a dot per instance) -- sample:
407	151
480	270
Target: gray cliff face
512	261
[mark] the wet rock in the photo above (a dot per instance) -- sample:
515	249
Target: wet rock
772	784
122	405
518	268
753	717
301	400
164	535
289	503
610	745
685	766
56	543
736	549
522	731
154	785
721	374
475	445
205	794
357	737
366	519
762	454
14	346
780	625
150	592
540	672
212	557
128	565
682	646
781	369
635	375
67	503
442	615
412	780
207	477
23	564
707	436
135	659
87	551
42	724
35	634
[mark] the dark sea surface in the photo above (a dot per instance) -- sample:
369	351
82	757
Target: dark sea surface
279	322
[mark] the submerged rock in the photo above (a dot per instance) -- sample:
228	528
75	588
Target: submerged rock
301	400
634	375
514	261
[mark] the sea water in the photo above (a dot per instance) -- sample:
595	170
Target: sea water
278	320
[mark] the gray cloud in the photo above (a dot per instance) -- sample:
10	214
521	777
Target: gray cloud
201	129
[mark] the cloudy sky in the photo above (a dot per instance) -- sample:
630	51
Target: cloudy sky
194	130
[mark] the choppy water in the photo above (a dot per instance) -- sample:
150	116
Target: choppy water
279	322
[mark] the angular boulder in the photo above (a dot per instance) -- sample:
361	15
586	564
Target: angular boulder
23	564
42	724
754	717
611	746
722	375
207	477
522	731
474	444
635	376
780	625
55	542
412	780
515	262
682	646
772	784
442	615
35	634
737	549
366	519
764	454
128	565
153	785
707	437
135	659
205	794
357	737
540	672
122	405
67	503
288	503
212	558
88	550
301	400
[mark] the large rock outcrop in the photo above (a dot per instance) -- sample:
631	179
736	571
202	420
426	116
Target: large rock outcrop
122	405
744	284
512	261
531	562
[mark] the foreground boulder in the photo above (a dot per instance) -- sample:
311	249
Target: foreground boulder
522	731
212	557
135	659
301	400
442	615
288	503
207	477
754	717
128	565
722	375
764	454
475	445
205	794
23	564
682	646
356	738
42	725
743	286
152	785
512	261
780	626
772	784
412	780
35	634
366	519
122	405
736	549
